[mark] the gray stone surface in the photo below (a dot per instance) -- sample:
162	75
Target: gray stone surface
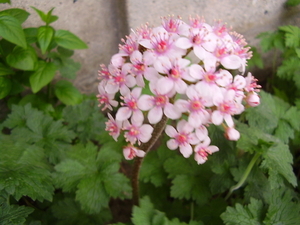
102	23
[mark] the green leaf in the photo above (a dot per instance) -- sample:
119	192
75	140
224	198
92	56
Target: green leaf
19	14
44	37
14	214
252	214
292	2
278	160
42	15
86	120
11	30
5	87
33	126
292	35
5	70
92	195
50	17
31	34
67	67
271	40
283	209
5	1
42	76
67	93
69	40
23	59
289	69
24	171
68	212
65	52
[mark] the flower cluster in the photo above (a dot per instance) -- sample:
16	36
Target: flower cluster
191	73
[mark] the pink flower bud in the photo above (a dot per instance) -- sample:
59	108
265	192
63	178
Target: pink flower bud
232	134
253	99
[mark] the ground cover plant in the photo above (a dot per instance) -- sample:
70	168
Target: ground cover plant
179	133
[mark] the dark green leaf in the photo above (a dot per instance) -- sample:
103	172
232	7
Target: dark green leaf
44	37
65	52
23	59
42	76
5	70
5	87
68	212
19	14
14	214
69	40
11	30
67	93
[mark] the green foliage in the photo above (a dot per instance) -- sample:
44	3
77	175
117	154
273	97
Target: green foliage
32	57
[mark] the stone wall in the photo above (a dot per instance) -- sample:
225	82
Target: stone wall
102	23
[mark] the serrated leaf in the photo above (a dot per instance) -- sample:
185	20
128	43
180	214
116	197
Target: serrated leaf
69	40
283	208
19	14
5	87
86	120
14	214
11	30
92	195
289	69
23	59
271	40
24	170
278	160
187	187
249	215
69	68
42	76
292	35
44	37
67	93
284	131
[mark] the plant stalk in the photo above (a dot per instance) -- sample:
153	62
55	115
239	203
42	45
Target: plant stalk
245	175
158	129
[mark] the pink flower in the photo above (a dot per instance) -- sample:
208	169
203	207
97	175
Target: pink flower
176	71
195	105
182	138
113	127
203	149
226	108
130	107
137	131
106	99
131	152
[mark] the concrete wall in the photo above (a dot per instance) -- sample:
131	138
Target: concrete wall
102	23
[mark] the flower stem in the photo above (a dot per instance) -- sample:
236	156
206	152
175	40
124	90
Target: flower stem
158	129
244	177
